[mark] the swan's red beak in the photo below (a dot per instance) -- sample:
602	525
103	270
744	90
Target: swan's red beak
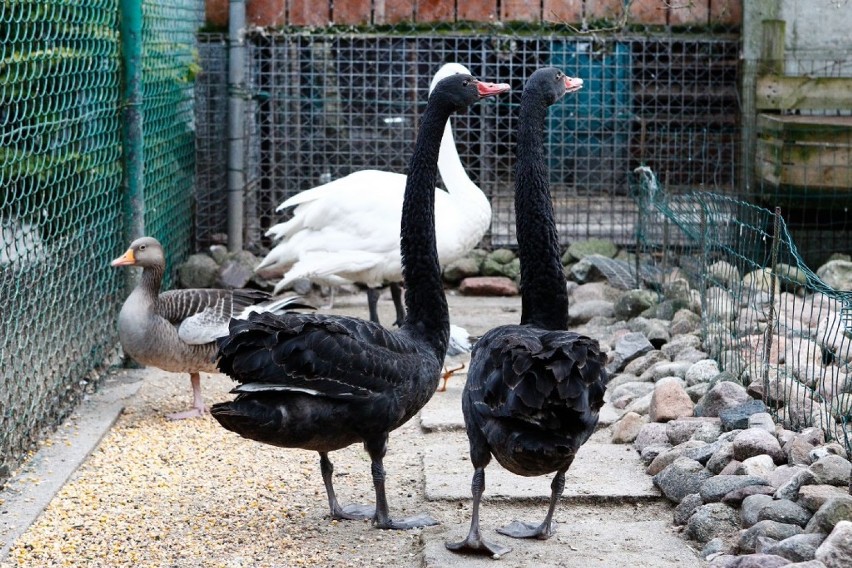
127	259
573	84
491	89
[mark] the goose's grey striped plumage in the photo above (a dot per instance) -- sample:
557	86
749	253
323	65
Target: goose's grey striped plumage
533	390
177	330
325	382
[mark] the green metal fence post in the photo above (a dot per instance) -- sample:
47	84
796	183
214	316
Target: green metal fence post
130	27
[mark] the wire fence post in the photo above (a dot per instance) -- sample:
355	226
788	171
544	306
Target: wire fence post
236	122
771	324
130	27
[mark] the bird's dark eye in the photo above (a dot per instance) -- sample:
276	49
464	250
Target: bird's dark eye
142	247
466	83
559	75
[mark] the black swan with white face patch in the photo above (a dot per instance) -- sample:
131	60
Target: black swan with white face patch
325	382
533	390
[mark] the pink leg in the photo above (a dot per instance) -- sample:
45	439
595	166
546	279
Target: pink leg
198	409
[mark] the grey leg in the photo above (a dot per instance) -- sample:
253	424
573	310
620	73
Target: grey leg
350	512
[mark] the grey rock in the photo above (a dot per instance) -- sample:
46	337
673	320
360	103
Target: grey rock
669	401
783	473
785	511
714	488
579	250
737	417
692	355
721	560
624	394
645	362
199	271
751	507
641	405
831	470
832	512
830	449
680	478
668	369
836	550
790	489
716	546
628	348
799	547
234	274
711	521
837	274
697	392
737	496
760	466
583	312
684	321
722	396
679	343
759	560
501	256
812	497
652	433
771	529
686	507
460	269
627	428
664	460
650	453
683	429
753	442
762	420
702	454
619	379
700	371
634	302
721	457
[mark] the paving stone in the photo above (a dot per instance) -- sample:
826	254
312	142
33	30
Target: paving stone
600	471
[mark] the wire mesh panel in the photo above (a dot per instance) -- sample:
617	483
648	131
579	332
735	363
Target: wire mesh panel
211	111
770	321
803	163
329	104
60	216
169	67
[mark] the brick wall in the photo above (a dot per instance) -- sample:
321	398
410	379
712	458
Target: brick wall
274	13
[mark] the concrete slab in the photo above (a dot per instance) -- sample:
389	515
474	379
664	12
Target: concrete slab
32	488
600	472
649	544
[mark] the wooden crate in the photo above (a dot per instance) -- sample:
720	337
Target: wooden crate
806	153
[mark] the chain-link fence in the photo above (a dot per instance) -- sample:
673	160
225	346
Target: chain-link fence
773	324
61	216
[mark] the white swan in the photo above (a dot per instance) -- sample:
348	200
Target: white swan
348	229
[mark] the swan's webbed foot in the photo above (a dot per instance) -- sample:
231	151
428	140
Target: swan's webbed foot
518	529
354	513
475	545
415	522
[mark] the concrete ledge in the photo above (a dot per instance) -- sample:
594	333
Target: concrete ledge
40	479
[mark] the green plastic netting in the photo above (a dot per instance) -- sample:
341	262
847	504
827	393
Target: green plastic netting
772	323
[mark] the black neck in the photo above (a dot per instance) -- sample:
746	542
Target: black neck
424	291
543	286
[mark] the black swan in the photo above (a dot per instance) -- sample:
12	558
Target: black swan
347	230
177	330
321	382
533	390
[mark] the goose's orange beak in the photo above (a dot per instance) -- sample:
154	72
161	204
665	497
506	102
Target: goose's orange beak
491	89
127	259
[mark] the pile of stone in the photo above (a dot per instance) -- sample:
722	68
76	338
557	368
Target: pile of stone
750	489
